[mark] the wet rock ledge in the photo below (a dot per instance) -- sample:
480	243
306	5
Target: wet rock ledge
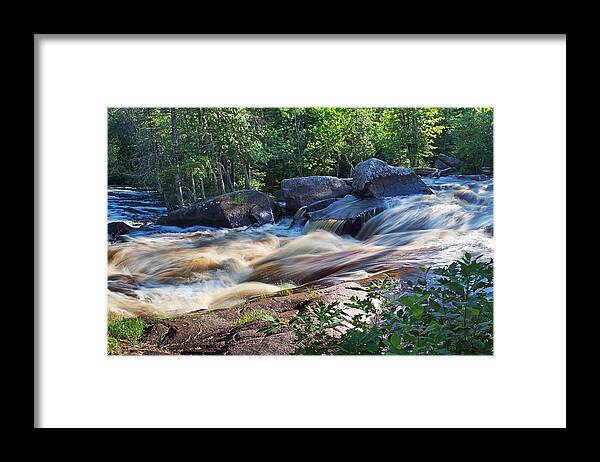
235	331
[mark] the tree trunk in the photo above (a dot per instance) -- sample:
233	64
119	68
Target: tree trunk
223	190
225	178
194	196
232	174
415	140
178	189
227	175
220	180
202	188
351	166
298	156
247	175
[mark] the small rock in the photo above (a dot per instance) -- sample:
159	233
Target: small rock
116	228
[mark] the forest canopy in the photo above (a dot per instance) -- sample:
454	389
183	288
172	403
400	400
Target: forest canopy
191	153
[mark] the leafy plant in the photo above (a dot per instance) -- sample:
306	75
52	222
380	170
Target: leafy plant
113	345
312	293
444	311
127	331
249	316
274	325
286	292
450	312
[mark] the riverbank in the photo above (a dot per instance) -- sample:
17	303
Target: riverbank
237	330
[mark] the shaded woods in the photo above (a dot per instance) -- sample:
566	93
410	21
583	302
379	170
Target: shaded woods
188	154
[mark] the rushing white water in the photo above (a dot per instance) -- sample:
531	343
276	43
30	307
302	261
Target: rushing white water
134	207
167	270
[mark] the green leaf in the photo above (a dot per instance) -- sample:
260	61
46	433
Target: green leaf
418	311
396	341
473	311
268	317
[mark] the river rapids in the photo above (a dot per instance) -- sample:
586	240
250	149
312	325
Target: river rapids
166	271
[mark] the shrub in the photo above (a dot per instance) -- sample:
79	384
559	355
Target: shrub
285	292
127	331
443	311
249	316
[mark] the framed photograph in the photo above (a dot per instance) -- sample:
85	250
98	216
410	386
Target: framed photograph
294	220
308	231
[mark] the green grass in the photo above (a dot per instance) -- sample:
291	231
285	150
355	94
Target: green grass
113	345
312	293
125	331
286	292
249	316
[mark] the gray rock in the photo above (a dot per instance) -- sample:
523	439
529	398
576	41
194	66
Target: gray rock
345	216
306	190
474	177
218	332
467	195
301	216
278	196
443	161
424	171
116	228
239	208
376	178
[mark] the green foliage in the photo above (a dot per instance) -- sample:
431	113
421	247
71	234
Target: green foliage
225	149
448	313
406	135
127	331
238	199
286	292
443	311
471	133
113	345
312	293
249	316
274	325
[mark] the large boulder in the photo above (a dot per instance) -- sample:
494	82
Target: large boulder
278	196
443	162
238	208
301	191
376	178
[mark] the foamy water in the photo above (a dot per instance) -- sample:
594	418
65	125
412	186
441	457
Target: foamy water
167	270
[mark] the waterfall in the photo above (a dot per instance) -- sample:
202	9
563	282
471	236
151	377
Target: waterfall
333	226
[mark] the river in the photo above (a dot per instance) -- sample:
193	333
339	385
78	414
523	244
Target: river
166	271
